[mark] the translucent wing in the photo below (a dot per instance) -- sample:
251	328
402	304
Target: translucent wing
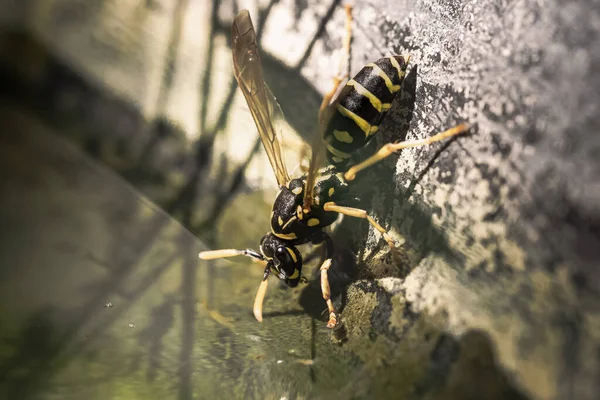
317	152
318	149
326	111
263	106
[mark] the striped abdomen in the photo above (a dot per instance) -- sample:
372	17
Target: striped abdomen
361	106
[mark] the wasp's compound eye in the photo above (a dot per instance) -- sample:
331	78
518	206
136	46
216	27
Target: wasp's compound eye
281	256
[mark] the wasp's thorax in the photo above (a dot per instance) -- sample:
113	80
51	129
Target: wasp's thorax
283	258
290	223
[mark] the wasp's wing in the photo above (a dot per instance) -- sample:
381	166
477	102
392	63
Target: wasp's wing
316	158
263	106
317	151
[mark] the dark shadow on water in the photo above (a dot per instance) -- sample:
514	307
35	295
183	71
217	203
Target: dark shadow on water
188	309
36	343
152	336
60	329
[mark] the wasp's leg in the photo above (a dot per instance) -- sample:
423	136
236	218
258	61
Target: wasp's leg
391	148
358	213
314	253
325	288
317	251
340	76
332	322
260	295
304	155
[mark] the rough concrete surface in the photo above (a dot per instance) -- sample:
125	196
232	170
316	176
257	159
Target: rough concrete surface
498	279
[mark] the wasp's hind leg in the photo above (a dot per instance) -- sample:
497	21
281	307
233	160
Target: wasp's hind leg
391	148
340	76
304	155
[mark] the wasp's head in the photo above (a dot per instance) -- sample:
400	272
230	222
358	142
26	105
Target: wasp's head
283	258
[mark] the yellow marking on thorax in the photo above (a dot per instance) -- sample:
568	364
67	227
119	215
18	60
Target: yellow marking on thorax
280	220
331	191
391	87
295	274
286	236
297	190
365	92
292	254
299	212
343	136
289	221
313	222
397	66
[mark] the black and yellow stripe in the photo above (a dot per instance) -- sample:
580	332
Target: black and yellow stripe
361	106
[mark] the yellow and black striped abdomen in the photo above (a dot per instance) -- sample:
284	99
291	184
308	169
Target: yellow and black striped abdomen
361	106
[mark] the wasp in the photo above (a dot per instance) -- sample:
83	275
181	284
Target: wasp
306	205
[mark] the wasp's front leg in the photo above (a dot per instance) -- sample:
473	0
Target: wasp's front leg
325	287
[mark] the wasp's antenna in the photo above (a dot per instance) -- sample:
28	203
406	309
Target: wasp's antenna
224	253
262	289
260	295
